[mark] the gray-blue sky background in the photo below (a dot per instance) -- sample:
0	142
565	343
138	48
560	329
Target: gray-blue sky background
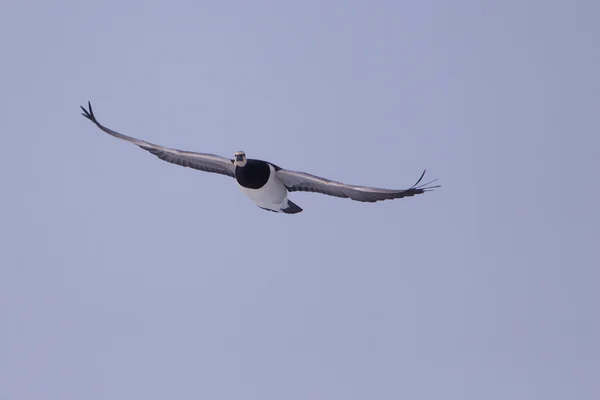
126	277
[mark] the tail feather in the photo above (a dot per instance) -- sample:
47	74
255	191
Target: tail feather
292	208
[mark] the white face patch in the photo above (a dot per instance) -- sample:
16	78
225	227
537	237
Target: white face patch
240	159
240	163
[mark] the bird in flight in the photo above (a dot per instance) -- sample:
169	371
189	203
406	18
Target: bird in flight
263	182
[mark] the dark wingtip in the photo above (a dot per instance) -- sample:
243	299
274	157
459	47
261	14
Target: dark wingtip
420	178
424	187
89	113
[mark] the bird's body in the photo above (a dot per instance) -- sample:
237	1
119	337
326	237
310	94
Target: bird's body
265	183
257	180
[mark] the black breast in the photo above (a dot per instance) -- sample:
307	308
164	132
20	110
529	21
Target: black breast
253	175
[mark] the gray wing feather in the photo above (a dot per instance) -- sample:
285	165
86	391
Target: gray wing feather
302	182
199	161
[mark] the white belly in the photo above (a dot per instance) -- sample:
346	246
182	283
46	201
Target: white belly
273	195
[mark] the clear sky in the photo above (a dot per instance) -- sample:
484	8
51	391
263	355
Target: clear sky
124	277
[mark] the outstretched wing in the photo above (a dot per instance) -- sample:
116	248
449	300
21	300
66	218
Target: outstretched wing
200	161
303	182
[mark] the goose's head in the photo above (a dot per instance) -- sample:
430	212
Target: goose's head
240	159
